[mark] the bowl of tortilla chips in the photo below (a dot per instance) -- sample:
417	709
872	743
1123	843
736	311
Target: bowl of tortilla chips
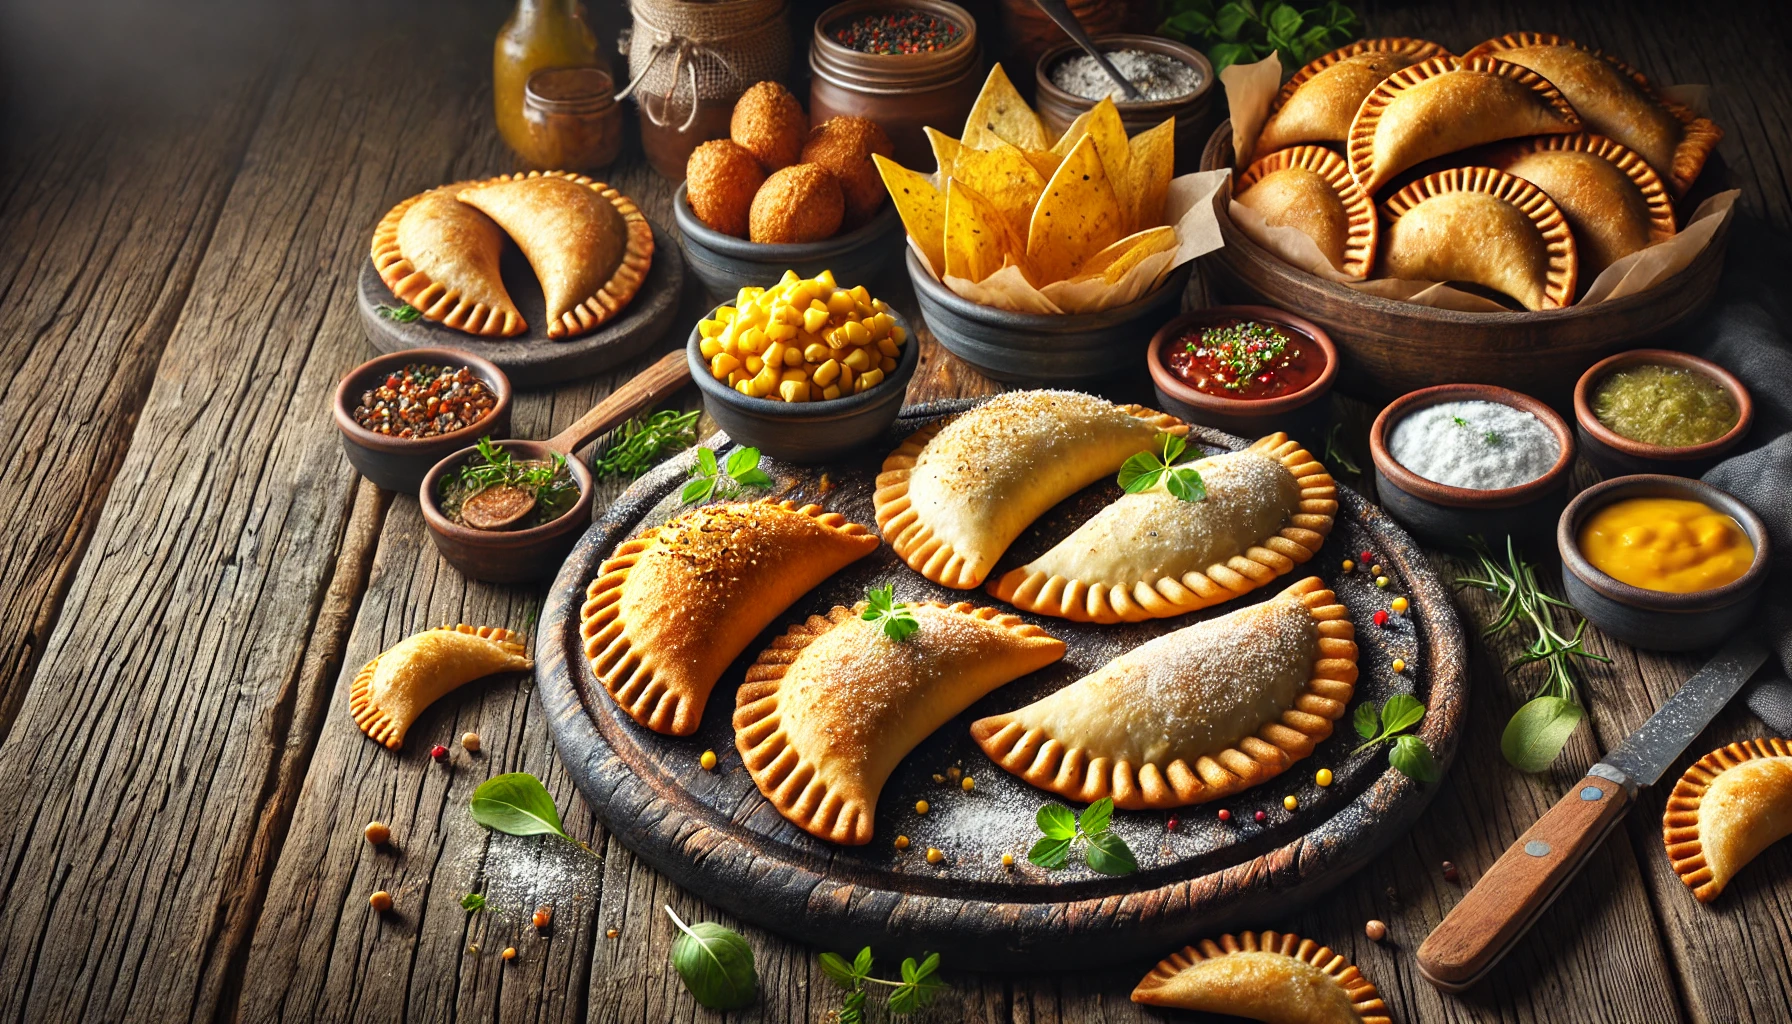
1043	260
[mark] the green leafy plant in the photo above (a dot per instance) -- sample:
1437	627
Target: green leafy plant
1535	736
1244	32
916	989
639	443
473	902
708	479
1409	754
404	314
895	617
1145	470
715	963
1103	851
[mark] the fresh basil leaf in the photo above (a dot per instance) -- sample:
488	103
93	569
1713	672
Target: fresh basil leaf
742	460
715	963
1194	23
1185	483
929	967
1097	816
1230	20
1538	732
1109	855
1140	473
861	964
1173	447
835	966
1050	853
908	971
879	600
698	489
1413	759
1365	720
1401	712
1224	55
706	462
899	624
1284	21
918	985
518	804
473	902
1057	822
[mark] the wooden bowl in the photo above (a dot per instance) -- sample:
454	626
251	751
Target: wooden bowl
1067	350
400	463
1392	347
1448	515
726	264
506	556
1194	113
1652	619
1303	414
1614	454
806	432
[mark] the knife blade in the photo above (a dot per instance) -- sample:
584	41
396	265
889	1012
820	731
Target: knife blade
1528	877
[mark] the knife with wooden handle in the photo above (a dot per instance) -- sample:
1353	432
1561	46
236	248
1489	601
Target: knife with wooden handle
1527	878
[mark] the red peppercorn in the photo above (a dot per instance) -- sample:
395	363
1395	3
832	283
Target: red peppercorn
439	752
1171	824
1367	557
1262	817
1381	618
1450	872
1225	815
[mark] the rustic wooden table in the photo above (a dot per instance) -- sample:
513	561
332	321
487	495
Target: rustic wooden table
192	572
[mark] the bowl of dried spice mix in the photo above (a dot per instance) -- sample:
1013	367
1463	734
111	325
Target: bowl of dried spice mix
902	63
401	413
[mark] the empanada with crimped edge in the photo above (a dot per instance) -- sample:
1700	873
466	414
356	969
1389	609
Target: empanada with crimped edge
830	708
440	255
393	689
1613	200
1151	555
1617	101
1484	226
1729	806
1194	715
1268	976
1309	188
1444	105
588	244
673	607
956	493
1317	104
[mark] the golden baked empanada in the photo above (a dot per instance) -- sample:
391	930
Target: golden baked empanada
1151	554
1484	226
958	492
1267	976
1193	715
1729	806
1318	103
588	243
831	707
673	607
1309	188
393	689
441	256
1443	105
1615	100
1614	202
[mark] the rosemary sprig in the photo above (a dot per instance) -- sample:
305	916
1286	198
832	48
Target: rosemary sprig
404	314
640	442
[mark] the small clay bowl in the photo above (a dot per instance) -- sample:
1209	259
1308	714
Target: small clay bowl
1303	414
726	264
399	463
1448	515
1613	454
1652	619
806	432
1064	350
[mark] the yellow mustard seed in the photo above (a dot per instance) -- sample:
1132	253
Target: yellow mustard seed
968	784
377	833
509	953
934	856
1007	860
1400	606
1376	568
612	933
1381	581
1291	801
1349	565
920	807
1399	665
902	842
1323	776
708	760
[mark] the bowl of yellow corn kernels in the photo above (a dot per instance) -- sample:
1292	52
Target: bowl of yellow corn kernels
805	370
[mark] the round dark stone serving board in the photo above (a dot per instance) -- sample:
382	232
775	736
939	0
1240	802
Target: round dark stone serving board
713	833
532	359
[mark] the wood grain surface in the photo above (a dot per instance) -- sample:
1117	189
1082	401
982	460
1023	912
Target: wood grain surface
191	572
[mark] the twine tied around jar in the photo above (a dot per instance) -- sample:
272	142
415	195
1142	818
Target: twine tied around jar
716	49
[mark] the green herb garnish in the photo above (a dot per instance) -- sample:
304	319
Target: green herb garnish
1335	455
1459	421
640	442
492	466
404	314
473	902
1492	438
1143	471
1243	31
725	480
916	989
715	963
896	618
516	804
1244	349
1103	851
1409	754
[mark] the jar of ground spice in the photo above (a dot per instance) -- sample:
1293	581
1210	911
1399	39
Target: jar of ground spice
1176	81
905	64
574	122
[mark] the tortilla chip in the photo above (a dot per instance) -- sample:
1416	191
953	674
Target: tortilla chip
921	206
1005	178
1075	218
1000	114
1072	135
945	152
1109	132
978	239
1044	161
1114	262
1148	173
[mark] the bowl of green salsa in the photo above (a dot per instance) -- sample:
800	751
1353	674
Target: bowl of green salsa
1659	411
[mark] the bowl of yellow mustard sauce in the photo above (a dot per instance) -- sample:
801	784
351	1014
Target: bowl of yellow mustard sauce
1662	562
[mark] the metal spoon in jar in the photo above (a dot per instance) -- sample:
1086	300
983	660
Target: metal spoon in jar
1059	11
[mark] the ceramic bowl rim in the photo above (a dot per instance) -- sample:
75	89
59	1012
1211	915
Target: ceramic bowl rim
1467	497
827	408
1602	493
1176	388
1583	406
420	447
692	228
496	540
954	13
1157	44
1009	320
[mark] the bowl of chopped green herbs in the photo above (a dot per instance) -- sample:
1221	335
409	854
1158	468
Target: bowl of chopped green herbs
506	511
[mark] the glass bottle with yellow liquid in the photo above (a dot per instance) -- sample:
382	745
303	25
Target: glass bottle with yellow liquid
540	34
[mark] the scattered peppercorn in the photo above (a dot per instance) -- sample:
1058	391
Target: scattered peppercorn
1450	872
953	773
920	807
439	752
1225	815
1367	557
544	916
509	953
473	948
1007	860
1381	618
937	777
1291	802
1261	817
422	400
968	784
899	31
1376	569
934	856
1400	606
1349	565
1323	777
380	901
612	933
708	760
1382	582
902	842
471	742
1376	930
1399	665
377	833
1170	826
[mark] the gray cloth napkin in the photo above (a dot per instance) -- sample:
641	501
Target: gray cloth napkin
1745	332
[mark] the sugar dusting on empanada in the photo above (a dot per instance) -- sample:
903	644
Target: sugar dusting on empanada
1729	806
1267	976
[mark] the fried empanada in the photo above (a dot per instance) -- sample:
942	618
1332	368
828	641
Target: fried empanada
672	608
1194	715
1309	188
1729	806
1318	103
588	243
1616	101
1151	554
1614	202
1268	976
1444	105
393	689
831	707
958	492
440	255
1484	226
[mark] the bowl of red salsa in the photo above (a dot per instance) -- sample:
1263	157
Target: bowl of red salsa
1247	370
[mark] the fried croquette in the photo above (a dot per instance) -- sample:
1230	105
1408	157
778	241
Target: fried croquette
801	203
844	146
721	179
770	124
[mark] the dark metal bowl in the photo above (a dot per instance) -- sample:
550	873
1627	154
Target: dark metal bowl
726	264
400	463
